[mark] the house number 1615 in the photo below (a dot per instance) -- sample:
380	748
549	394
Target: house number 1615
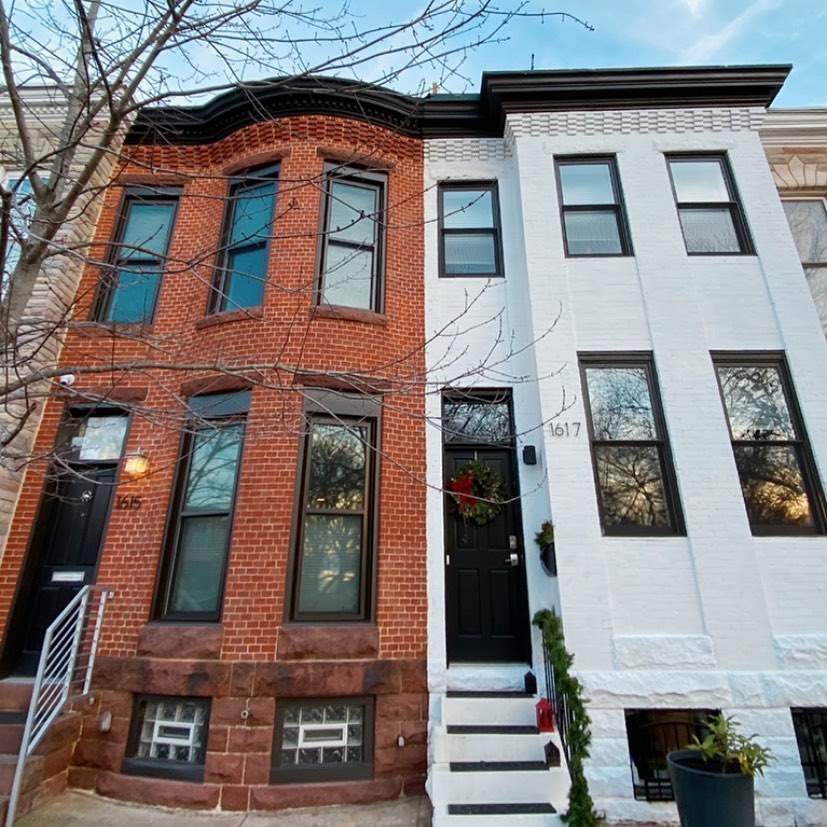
564	428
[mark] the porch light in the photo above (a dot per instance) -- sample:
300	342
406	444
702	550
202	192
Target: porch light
136	465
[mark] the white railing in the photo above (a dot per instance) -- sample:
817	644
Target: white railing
64	673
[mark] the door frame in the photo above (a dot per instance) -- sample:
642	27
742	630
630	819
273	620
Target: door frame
11	645
509	445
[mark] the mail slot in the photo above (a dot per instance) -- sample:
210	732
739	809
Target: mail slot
68	576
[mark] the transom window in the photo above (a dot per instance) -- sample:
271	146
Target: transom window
652	734
710	214
774	463
353	237
198	536
323	739
168	737
591	207
811	734
808	222
332	571
635	481
129	290
469	228
248	219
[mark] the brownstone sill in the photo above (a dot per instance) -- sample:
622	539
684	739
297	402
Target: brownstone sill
348	314
181	641
240	315
328	642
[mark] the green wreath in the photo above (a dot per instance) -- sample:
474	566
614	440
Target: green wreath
477	492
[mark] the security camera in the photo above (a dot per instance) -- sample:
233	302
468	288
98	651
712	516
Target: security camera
67	379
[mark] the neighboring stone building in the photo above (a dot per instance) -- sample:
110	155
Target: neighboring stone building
795	141
45	109
638	307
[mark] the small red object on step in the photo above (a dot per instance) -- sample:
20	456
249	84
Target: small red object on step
545	716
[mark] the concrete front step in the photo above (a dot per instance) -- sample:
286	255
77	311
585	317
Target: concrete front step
441	819
15	695
491	710
490	747
31	775
505	786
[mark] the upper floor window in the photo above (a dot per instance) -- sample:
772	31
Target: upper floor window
353	239
469	230
21	213
808	222
591	207
242	267
201	514
333	564
632	462
778	481
129	290
711	216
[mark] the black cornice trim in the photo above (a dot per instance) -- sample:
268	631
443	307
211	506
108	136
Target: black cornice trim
446	116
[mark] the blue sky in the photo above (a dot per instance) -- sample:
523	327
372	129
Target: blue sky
661	33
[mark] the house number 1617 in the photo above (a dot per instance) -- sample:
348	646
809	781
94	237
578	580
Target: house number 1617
564	428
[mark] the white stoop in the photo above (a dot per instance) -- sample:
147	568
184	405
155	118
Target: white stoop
489	763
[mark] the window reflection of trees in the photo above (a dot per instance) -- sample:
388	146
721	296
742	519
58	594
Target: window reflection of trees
483	421
766	445
627	448
333	541
808	222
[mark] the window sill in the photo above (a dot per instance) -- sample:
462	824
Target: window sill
97	330
350	314
226	316
193	641
169	770
352	641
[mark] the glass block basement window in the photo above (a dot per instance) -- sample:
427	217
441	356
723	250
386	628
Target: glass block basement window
324	739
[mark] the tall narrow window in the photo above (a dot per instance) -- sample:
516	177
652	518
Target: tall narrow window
778	481
469	229
808	222
711	216
130	286
332	571
633	467
591	206
198	537
353	238
248	220
20	219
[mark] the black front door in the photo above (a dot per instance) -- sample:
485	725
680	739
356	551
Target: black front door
68	532
486	603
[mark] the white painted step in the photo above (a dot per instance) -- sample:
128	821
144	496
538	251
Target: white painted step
502	710
521	819
503	786
491	747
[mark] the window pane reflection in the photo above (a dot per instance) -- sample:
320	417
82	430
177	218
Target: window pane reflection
476	421
620	403
631	485
755	403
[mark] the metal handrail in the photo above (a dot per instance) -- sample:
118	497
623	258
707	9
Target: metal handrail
64	671
559	703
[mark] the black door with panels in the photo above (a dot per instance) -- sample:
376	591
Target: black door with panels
486	602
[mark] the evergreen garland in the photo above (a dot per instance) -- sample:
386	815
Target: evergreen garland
581	812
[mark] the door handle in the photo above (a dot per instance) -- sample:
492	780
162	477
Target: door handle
513	559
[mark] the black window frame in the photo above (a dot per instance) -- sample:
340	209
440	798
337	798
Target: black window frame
354	176
248	180
672	501
314	773
805	719
132	764
333	407
734	205
495	231
647	760
618	209
208	412
801	445
115	260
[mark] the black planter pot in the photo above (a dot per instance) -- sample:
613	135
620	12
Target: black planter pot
707	797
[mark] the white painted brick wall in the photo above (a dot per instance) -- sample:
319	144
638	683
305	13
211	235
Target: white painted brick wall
718	618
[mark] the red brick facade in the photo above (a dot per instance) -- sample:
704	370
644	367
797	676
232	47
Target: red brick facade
252	658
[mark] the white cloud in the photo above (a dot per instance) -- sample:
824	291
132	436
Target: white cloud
697	8
707	47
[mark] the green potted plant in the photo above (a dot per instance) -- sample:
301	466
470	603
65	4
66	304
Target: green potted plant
545	540
713	778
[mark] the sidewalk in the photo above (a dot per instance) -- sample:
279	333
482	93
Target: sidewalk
80	809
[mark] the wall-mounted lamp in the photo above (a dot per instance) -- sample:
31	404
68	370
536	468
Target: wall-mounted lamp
136	465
